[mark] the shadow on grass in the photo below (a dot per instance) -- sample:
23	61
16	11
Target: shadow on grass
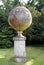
29	62
12	62
5	61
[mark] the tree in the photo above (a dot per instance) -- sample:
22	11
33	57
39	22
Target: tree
6	32
36	31
37	3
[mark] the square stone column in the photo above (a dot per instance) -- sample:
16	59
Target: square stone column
19	49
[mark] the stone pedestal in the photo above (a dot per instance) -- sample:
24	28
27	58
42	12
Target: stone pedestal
19	49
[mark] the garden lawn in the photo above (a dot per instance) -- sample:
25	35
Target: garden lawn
35	54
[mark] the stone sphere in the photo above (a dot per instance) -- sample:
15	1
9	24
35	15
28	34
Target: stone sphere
20	18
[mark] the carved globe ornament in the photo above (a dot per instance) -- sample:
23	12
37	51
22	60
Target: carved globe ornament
20	18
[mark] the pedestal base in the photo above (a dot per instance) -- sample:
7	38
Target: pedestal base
20	59
19	49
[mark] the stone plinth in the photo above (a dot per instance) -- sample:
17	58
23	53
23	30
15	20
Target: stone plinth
19	49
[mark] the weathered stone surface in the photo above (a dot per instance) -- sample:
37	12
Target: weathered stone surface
20	18
19	50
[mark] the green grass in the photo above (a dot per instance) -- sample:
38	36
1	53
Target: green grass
35	53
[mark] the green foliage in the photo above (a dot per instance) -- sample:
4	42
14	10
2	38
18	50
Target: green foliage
35	32
37	3
6	32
